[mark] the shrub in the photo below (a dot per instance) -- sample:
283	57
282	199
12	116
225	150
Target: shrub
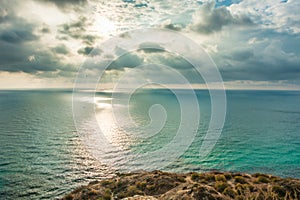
259	174
150	188
240	179
195	186
106	196
251	188
260	196
280	191
275	179
220	186
229	192
195	176
263	179
92	192
69	197
210	177
132	190
220	177
180	179
106	182
141	185
228	176
129	192
240	188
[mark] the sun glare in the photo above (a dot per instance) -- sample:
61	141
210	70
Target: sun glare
104	26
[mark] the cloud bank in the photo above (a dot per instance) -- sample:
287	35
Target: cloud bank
250	41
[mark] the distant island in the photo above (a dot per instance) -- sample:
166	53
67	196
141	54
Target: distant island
199	186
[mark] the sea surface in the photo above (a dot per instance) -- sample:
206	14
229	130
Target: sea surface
43	156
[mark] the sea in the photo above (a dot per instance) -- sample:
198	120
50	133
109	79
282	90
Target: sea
45	153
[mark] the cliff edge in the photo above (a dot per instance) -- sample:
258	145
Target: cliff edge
202	186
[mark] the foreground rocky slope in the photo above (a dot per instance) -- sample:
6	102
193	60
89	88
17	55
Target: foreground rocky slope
206	186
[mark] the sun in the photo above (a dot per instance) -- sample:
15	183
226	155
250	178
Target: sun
104	26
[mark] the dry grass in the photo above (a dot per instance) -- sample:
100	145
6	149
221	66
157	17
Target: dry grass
214	185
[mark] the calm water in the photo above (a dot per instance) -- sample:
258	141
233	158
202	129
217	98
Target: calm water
42	155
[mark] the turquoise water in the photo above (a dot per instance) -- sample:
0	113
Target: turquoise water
42	155
261	134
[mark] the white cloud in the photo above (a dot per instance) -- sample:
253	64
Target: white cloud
209	19
278	15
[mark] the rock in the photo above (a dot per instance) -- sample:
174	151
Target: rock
139	197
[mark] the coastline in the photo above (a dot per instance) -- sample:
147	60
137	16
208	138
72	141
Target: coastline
211	185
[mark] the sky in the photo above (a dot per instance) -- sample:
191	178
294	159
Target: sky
255	44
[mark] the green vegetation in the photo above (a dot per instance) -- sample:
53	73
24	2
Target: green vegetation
69	197
195	176
279	190
263	179
228	176
229	192
220	186
240	179
220	177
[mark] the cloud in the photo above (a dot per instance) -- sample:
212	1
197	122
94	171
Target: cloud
61	49
23	58
209	19
17	35
174	27
242	54
262	62
20	47
127	60
14	29
265	52
148	47
281	16
250	40
77	30
169	59
45	30
64	4
85	51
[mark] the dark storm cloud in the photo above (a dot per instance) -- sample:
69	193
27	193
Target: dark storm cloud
210	19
